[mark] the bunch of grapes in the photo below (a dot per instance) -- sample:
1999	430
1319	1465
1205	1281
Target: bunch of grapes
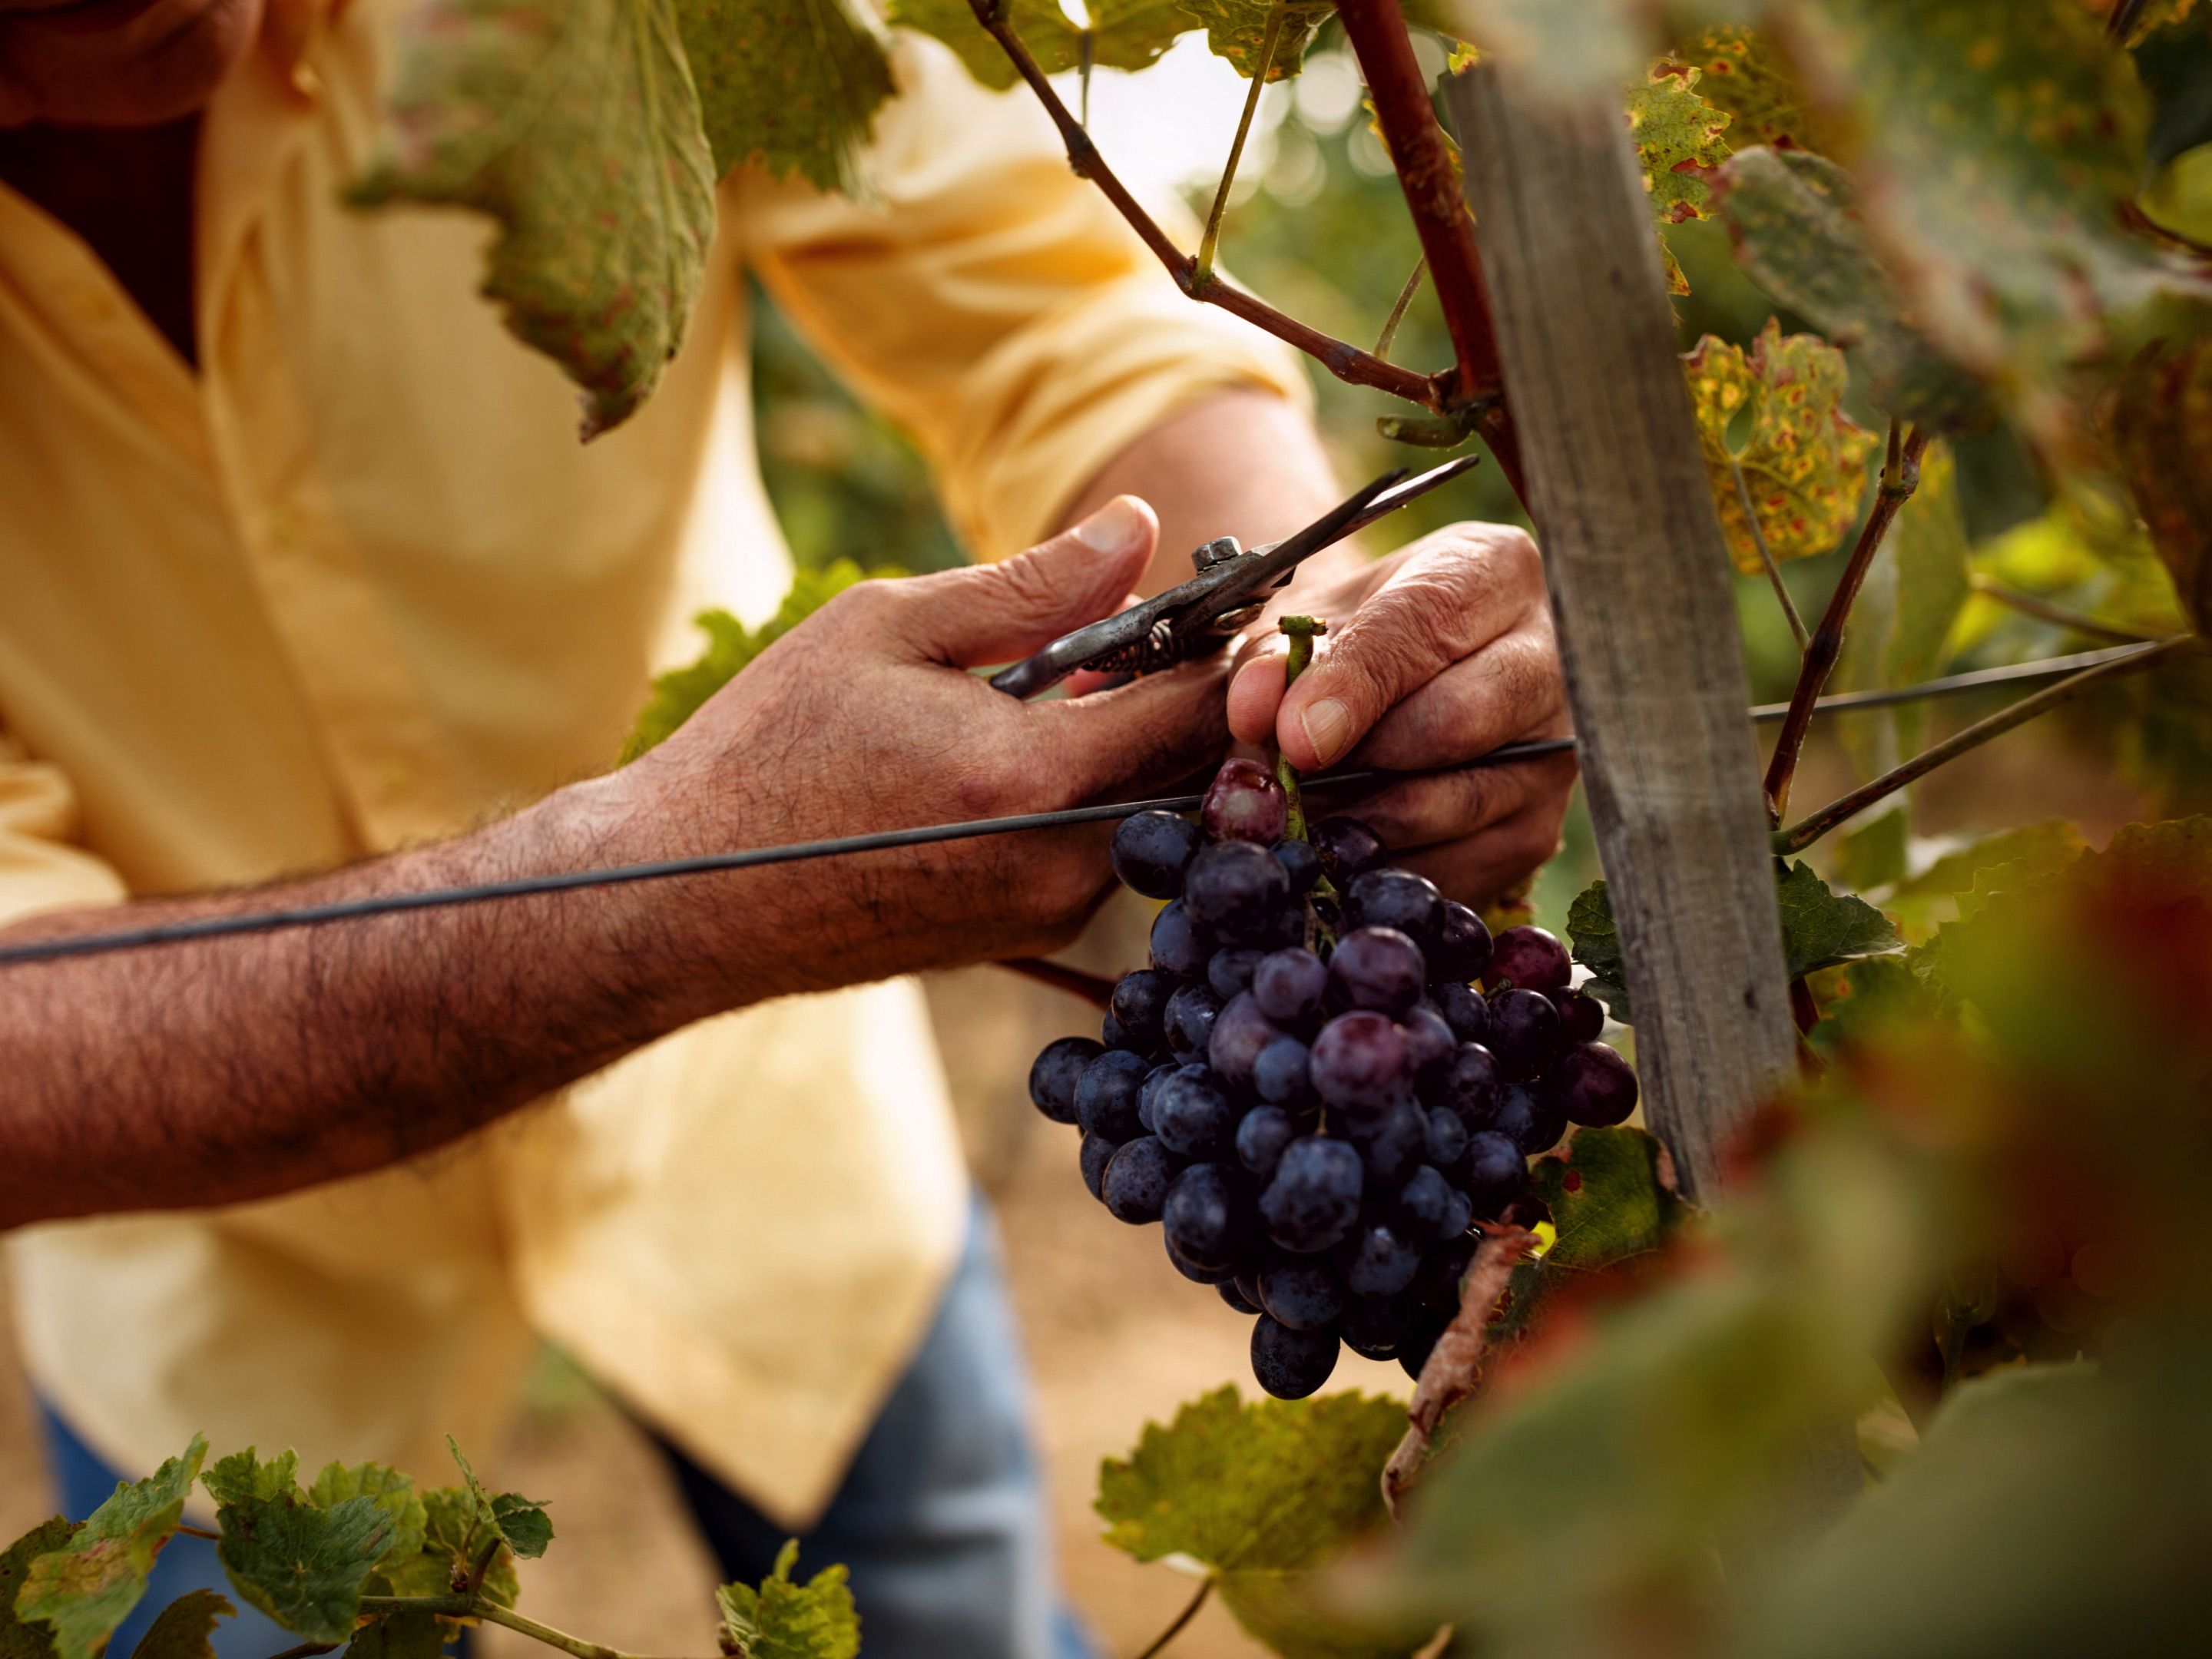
1306	1088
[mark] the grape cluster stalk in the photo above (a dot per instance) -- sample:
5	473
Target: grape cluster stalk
1327	1078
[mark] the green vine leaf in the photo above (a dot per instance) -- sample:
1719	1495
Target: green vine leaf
1945	890
677	695
1237	31
1124	34
392	1491
793	85
520	1522
1802	459
186	1628
83	1589
1678	141
1262	1495
1610	1197
2162	431
1595	941
304	1566
1822	928
20	1639
1739	73
786	1620
454	1538
574	124
242	1478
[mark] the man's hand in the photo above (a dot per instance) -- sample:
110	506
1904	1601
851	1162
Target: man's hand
1436	655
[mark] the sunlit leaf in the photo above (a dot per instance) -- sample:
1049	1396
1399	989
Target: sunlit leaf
785	1620
87	1586
793	85
2031	851
1739	75
575	123
1802	461
1679	142
1236	30
1127	34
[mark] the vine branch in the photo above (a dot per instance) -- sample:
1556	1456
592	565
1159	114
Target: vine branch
1339	357
1900	477
1766	556
1092	988
1212	238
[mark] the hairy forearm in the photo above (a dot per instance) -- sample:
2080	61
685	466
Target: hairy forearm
233	1068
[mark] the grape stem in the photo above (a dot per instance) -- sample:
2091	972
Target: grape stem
1092	988
1301	632
1189	1612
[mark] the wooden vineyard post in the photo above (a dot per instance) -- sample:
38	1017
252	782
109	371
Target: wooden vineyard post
1640	587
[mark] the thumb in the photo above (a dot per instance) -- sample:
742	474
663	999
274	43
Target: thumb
992	613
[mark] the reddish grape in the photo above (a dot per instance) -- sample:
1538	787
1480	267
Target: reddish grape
1245	803
1359	1060
1593	1085
1524	1031
1376	968
1528	959
1462	949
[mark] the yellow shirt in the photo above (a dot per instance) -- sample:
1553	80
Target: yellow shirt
354	583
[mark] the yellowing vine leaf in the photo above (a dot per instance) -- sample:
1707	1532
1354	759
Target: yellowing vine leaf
793	85
1237	30
1802	459
1679	142
2162	429
1126	35
1739	73
87	1586
786	1620
574	124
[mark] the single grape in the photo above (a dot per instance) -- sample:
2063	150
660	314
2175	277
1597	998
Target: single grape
1261	1137
1151	850
1448	1133
1230	971
1313	1200
1430	1046
1096	1153
1380	1261
1348	848
1530	1118
1391	1142
1208	1216
1192	1114
1115	1035
1459	1214
1191	1270
1190	1020
1180	945
1148	1093
1472	1085
1373	1326
1435	1286
1291	1364
1106	1099
1236	891
1057	1073
1240	1032
1233	1294
1425	1204
1399	899
1302	1293
1377	968
1592	1085
1413	1352
1463	1009
1248	1285
1134	1184
1283	1075
1141	1002
1288	984
1524	1031
1581	1017
1300	862
1462	949
1245	803
1359	1060
1493	1173
1530	958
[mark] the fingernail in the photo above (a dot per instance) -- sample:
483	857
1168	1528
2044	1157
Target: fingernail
1116	527
1327	723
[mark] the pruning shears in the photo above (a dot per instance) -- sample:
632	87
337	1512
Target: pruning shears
1224	594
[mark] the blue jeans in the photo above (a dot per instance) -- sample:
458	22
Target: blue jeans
940	1517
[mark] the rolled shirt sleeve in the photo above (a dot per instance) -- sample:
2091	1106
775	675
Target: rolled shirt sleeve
995	305
41	868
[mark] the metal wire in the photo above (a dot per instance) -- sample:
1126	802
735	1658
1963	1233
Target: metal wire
2044	668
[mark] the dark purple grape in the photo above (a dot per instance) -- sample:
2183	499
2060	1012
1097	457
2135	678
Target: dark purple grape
1399	899
1193	1115
1261	1137
1190	1020
1282	1075
1391	1142
1448	1133
1288	984
1593	1085
1096	1154
1581	1017
1135	1183
1180	945
1463	1009
1248	1285
1443	1266
1237	892
1430	1046
1459	1214
1057	1073
1291	1364
1462	949
1141	1002
1380	1261
1288	928
1245	803
1106	1099
1115	1035
1348	848
1230	971
1151	850
1472	1085
1234	1296
1425	1204
1524	1031
1208	1216
1148	1092
1377	968
1240	1032
1191	1270
1529	1117
1373	1326
1493	1173
1300	862
1421	1342
1313	1201
1359	1060
1528	957
1301	1292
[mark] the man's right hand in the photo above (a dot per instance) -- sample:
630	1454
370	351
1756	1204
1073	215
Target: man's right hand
865	717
